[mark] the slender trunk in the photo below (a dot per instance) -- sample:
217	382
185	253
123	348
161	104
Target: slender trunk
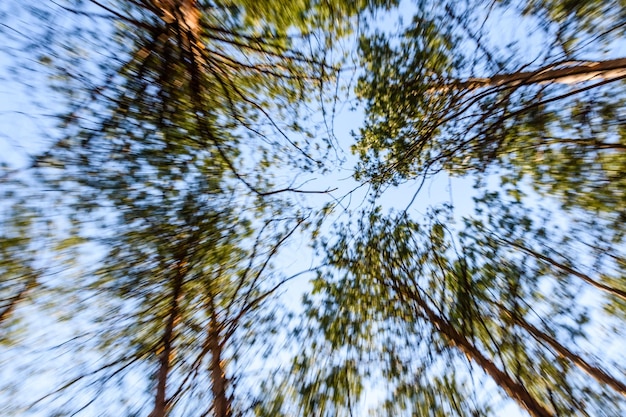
613	291
573	74
221	403
598	374
594	144
513	388
160	402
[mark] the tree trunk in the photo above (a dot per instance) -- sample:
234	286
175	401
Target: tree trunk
575	73
616	292
598	374
185	12
514	389
221	403
160	403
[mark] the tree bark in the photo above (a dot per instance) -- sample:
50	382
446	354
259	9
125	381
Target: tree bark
562	74
616	292
598	374
514	389
160	402
221	403
186	12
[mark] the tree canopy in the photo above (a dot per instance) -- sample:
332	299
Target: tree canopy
150	226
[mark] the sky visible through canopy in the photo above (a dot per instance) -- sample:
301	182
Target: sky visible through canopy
25	125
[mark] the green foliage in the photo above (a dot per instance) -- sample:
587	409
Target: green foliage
395	87
163	162
181	129
425	302
17	262
427	111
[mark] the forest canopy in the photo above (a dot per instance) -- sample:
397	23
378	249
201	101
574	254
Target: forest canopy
312	208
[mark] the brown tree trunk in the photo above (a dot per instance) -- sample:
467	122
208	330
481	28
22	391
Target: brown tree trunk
221	403
185	12
514	389
610	290
570	74
598	374
160	402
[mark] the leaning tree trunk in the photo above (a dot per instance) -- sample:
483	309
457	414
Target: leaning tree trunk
562	73
514	389
165	360
542	337
183	17
616	292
